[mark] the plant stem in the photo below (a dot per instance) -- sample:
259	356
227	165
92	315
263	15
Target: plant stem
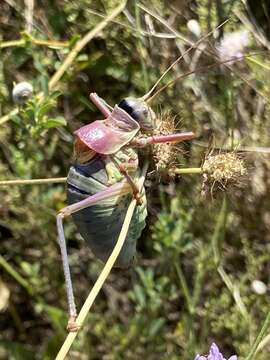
259	338
30	39
104	274
184	286
6	117
141	48
234	290
218	235
188	171
33	181
12	43
12	272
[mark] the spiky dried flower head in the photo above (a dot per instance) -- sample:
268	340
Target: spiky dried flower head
22	92
223	169
164	154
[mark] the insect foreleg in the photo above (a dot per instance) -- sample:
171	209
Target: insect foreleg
126	167
157	139
116	190
100	104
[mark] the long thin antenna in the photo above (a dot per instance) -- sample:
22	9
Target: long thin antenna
147	95
199	69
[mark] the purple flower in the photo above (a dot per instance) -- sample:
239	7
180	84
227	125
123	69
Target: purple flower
214	354
232	45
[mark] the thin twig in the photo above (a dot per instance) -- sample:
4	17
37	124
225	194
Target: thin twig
219	231
234	290
34	41
259	338
104	274
216	244
255	149
6	117
184	286
29	11
33	181
203	69
12	272
186	171
265	341
134	30
202	49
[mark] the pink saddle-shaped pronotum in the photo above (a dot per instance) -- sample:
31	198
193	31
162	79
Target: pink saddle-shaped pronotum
109	135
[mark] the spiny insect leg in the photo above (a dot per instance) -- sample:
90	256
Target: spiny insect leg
124	167
158	139
115	190
69	288
100	104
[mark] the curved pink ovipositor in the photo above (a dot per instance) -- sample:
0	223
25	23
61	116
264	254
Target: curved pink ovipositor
109	135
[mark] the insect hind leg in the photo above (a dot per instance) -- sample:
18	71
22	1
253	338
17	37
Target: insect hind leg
72	326
118	189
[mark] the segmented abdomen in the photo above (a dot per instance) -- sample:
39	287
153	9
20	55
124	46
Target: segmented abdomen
100	224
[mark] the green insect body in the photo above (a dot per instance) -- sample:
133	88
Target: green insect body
101	224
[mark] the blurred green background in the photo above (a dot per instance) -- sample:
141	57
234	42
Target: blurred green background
201	256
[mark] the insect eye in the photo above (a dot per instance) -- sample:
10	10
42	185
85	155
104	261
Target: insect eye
139	111
125	106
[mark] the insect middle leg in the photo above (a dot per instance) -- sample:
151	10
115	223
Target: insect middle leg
119	189
130	166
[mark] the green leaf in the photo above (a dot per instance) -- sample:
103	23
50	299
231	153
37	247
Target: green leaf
155	327
55	94
55	122
16	119
73	40
43	109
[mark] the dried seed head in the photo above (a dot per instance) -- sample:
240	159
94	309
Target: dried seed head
223	169
164	154
22	92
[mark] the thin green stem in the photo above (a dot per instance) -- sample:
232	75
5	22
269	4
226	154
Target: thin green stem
259	338
219	231
184	287
8	116
12	43
189	305
141	48
12	272
257	62
234	290
201	269
23	42
188	171
33	181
